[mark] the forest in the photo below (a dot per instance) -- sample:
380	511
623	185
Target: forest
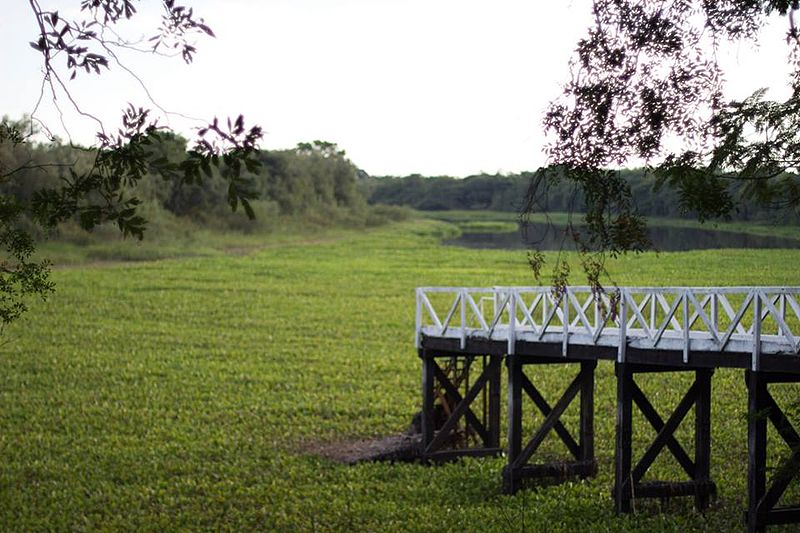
507	192
314	184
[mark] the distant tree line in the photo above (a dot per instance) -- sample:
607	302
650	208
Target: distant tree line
314	183
507	192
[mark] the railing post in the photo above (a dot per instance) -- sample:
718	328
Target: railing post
598	298
418	321
498	299
715	312
653	299
463	293
755	364
545	297
565	321
512	320
686	326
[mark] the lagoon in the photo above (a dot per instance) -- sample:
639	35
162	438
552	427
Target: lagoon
545	236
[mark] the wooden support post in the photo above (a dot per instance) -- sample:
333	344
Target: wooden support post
582	463
623	484
628	478
514	367
756	447
427	414
587	411
702	436
762	408
494	409
450	427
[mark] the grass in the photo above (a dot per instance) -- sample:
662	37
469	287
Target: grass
190	393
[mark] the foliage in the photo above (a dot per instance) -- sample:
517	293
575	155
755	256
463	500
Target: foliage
507	193
296	192
646	72
103	189
164	395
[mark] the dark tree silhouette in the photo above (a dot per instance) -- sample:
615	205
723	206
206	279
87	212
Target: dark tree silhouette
648	71
88	46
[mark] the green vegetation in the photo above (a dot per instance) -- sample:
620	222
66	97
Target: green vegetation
467	220
485	192
191	394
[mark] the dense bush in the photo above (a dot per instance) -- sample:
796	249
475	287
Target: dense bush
314	184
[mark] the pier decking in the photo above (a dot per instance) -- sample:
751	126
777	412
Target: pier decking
640	329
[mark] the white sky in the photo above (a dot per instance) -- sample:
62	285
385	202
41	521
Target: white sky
436	87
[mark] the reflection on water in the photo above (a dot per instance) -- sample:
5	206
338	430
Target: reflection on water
665	238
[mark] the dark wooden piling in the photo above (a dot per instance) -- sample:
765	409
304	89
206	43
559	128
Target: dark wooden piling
628	483
582	463
675	329
449	424
762	408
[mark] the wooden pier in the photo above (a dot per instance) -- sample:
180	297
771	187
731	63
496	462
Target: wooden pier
464	335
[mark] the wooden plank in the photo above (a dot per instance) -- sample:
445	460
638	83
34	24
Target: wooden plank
778	516
548	423
510	477
586	431
580	311
477	312
418	320
669	318
623	485
441	456
446	324
674	489
458	412
545	408
494	407
781	423
756	329
666	434
637	314
700	311
756	447
735	317
555	310
784	476
582	469
623	337
581	314
702	435
427	398
498	314
431	311
784	329
527	313
686	327
702	305
452	391
658	424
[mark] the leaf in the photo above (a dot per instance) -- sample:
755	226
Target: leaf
248	209
206	29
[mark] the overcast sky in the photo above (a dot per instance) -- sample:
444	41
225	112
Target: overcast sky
436	87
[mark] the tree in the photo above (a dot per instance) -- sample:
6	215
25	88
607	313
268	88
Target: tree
646	72
104	189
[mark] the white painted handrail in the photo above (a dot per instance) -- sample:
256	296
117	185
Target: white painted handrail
752	320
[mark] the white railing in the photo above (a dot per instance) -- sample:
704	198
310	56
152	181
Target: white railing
690	319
